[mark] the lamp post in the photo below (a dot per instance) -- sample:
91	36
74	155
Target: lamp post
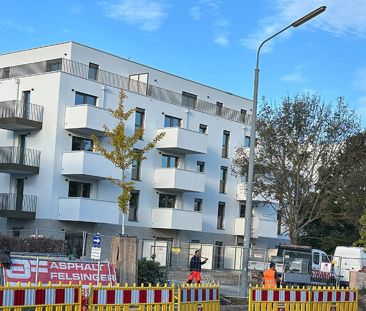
248	208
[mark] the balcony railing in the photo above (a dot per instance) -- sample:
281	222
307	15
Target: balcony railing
121	82
11	158
17	205
17	111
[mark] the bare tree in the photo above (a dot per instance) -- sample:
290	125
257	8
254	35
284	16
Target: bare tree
299	143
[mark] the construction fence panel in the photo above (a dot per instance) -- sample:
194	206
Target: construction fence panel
157	298
199	297
40	297
303	299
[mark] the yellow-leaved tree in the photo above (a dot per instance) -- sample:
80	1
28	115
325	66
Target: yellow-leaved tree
122	153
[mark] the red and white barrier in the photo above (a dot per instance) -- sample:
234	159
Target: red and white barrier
333	296
105	296
199	295
38	296
276	295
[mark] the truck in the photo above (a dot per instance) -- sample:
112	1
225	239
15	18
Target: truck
347	259
299	265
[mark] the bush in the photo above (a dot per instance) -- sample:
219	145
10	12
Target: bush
150	272
36	245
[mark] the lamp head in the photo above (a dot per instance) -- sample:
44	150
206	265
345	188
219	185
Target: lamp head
309	16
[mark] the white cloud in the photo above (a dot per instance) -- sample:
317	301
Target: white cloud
76	9
195	13
342	18
14	25
295	76
146	14
221	40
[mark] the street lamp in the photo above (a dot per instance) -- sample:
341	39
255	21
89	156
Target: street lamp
248	208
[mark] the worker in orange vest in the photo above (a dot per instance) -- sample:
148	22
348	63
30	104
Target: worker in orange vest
271	277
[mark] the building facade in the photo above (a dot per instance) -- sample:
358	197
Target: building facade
53	98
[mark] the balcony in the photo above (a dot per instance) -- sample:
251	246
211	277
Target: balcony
18	206
176	219
87	119
16	116
179	180
241	194
89	165
88	210
260	227
16	160
180	140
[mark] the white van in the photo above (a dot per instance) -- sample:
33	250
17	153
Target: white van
348	259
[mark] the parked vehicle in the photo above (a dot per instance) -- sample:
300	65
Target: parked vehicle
302	265
347	259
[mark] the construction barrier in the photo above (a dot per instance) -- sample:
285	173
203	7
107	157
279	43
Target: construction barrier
202	297
50	297
122	298
303	299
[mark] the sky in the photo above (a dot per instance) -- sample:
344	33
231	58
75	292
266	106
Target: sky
212	41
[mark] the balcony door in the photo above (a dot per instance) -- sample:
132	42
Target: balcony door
19	193
21	150
26	104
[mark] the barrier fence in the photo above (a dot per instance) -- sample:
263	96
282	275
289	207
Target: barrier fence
303	299
205	298
122	298
40	297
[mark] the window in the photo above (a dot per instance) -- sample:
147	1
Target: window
189	100
170	121
136	168
246	141
85	99
167	200
200	166
325	258
203	128
243	113
138	83
218	258
134	203
219	108
223	179
316	258
242	210
93	71
220	215
53	65
80	143
169	161
139	119
5	73
197	205
79	189
225	144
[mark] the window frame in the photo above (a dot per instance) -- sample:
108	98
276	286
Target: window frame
167	197
221	216
85	97
200	166
197	205
81	188
134	216
137	164
93	71
202	128
169	159
171	120
225	144
223	179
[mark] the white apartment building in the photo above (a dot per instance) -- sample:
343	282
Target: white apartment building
53	98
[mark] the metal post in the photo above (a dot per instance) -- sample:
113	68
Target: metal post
248	207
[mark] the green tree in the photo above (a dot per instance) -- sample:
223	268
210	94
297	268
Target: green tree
300	142
342	209
122	153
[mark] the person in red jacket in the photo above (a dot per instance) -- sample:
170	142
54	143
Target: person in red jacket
195	267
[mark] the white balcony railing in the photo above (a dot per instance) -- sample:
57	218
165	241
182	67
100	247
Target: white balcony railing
241	194
88	164
88	210
181	140
177	219
87	119
260	227
179	180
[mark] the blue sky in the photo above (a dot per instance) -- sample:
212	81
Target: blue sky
212	41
